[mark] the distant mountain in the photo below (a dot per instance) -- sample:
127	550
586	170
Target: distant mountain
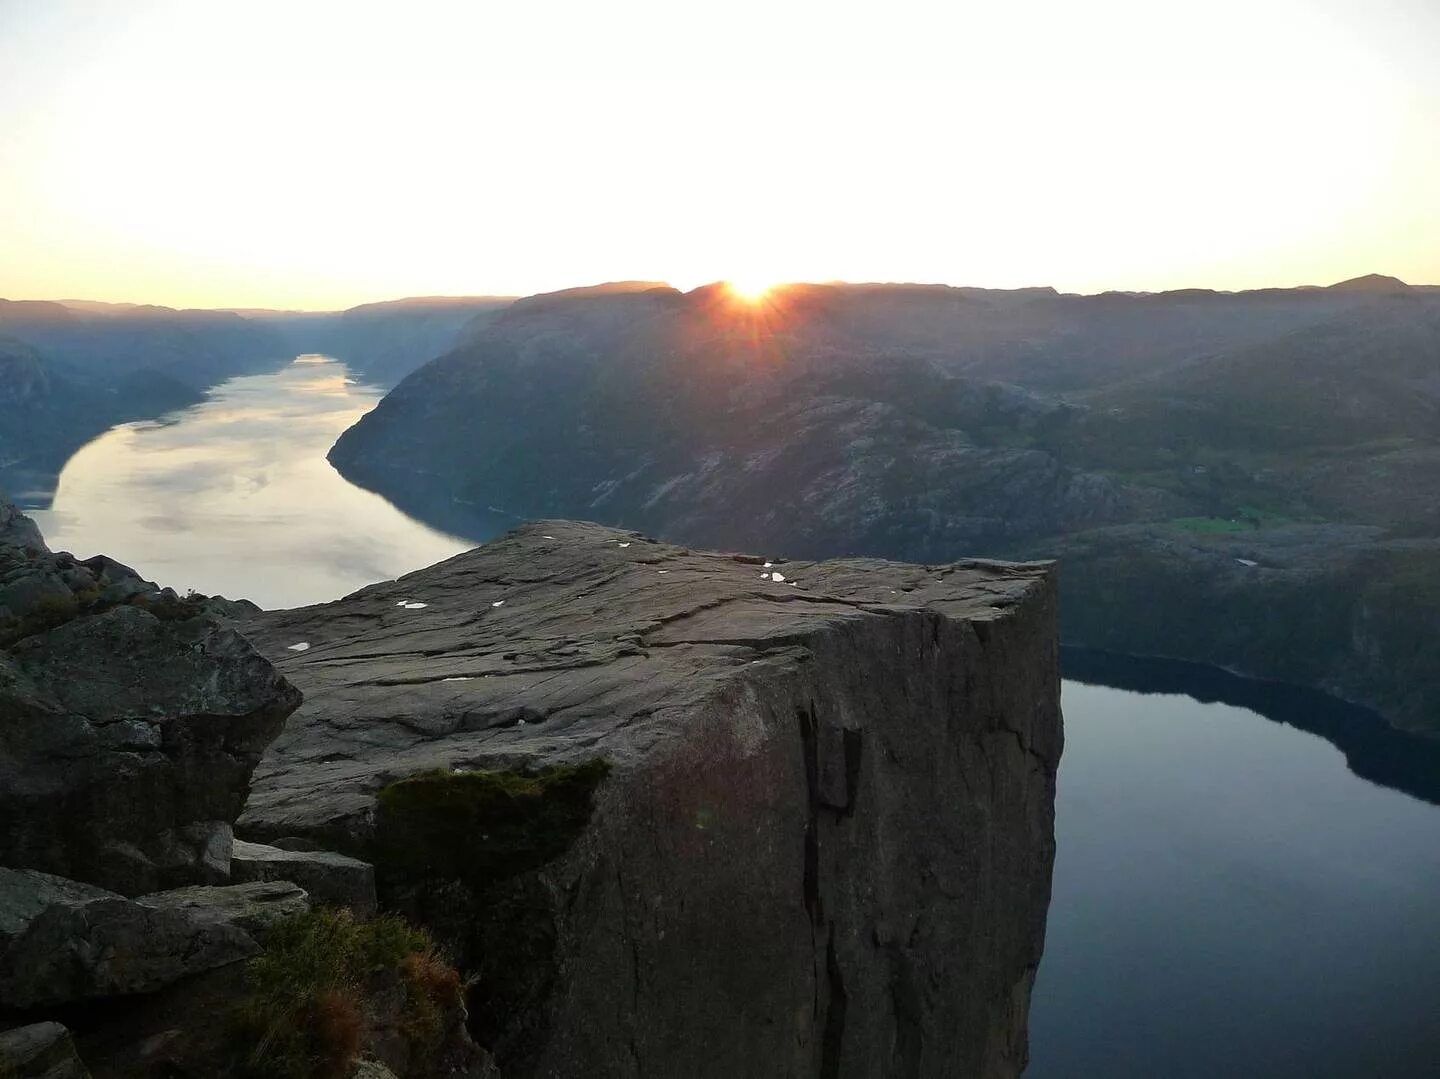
927	423
383	342
1371	283
69	371
104	342
46	414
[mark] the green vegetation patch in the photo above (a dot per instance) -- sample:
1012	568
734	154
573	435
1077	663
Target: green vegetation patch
305	1011
480	828
1245	519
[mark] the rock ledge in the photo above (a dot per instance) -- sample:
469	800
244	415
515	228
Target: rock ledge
823	838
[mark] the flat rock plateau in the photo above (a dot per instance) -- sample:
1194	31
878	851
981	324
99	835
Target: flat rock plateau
697	814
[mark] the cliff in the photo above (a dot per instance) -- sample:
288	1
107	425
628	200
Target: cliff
692	814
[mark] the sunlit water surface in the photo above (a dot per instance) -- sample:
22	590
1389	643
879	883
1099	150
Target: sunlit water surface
1230	899
234	496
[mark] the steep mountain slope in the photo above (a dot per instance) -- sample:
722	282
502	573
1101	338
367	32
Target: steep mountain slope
712	421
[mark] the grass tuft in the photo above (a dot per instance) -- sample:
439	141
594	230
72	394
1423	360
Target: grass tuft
304	1013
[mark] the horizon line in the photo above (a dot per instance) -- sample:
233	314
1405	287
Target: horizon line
253	309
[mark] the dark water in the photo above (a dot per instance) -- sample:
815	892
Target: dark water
1248	877
1231	898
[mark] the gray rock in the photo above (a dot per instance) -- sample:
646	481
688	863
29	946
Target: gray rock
327	877
40	1051
18	530
253	906
64	942
824	842
32	589
26	893
128	745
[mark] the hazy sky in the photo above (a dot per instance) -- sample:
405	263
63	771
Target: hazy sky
318	154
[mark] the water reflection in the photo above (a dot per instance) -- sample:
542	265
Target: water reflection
1372	748
234	495
1230	899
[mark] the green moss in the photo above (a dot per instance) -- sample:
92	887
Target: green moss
1209	526
456	851
480	828
1243	519
305	1003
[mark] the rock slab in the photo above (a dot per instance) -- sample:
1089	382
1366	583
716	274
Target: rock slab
62	942
823	841
40	1051
327	877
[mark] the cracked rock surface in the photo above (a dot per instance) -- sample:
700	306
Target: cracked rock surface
825	841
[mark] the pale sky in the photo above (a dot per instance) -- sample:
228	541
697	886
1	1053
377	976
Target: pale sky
318	154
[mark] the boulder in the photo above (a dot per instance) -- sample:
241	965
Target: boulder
252	907
327	877
693	814
25	894
62	941
40	1051
127	746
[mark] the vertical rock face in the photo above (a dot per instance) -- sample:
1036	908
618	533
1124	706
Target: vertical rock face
688	814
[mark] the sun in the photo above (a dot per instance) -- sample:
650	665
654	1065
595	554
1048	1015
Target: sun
749	289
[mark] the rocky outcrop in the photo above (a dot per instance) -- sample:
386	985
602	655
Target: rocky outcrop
693	814
61	943
17	530
128	747
132	720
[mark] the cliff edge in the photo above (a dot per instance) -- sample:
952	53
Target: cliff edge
692	814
